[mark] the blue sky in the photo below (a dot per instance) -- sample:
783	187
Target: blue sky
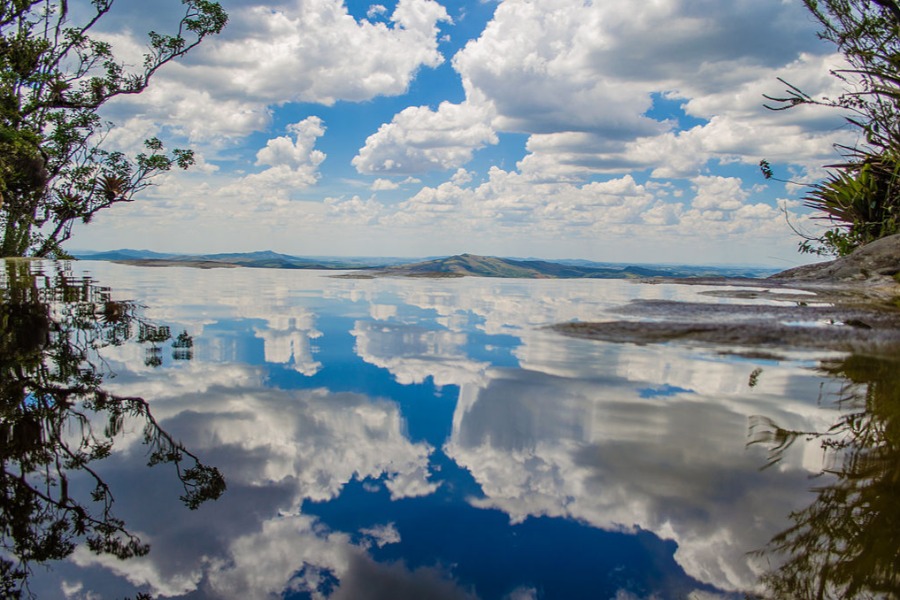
607	130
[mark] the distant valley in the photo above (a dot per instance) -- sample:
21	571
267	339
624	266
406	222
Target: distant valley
454	266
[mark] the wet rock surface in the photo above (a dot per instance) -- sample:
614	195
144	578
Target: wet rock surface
742	336
851	304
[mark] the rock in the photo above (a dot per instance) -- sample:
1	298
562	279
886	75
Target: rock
744	337
877	260
854	307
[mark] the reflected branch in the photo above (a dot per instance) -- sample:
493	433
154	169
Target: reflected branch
765	431
57	422
846	544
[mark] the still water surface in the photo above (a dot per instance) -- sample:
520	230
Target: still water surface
416	438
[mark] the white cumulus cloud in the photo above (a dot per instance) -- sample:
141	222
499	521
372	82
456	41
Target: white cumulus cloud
420	139
288	51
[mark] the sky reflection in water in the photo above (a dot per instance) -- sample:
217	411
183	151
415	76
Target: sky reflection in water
428	439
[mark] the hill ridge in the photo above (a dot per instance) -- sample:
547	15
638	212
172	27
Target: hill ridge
458	265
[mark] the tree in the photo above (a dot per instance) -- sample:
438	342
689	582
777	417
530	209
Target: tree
53	79
861	196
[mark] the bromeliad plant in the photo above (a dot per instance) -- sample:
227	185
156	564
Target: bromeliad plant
861	199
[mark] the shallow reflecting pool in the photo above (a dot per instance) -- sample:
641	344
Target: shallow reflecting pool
318	437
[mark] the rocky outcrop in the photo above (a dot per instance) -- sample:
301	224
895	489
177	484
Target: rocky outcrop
855	307
879	260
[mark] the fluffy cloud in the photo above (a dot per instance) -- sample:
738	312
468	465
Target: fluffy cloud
593	90
380	185
419	139
257	204
592	72
718	193
546	49
375	11
514	199
526	216
354	210
616	205
288	51
368	580
314	51
294	153
292	164
740	128
593	66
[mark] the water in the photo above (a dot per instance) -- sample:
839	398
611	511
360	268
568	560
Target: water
417	438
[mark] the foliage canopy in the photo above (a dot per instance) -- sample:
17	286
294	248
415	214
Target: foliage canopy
54	76
861	196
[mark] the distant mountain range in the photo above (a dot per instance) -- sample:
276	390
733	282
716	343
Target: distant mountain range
453	266
486	266
264	259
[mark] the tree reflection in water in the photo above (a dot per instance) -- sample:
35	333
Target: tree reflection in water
846	544
57	422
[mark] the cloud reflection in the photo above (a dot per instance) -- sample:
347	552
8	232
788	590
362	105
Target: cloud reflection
592	447
288	341
617	437
278	449
413	355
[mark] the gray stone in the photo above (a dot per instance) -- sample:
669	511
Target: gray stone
877	260
854	307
